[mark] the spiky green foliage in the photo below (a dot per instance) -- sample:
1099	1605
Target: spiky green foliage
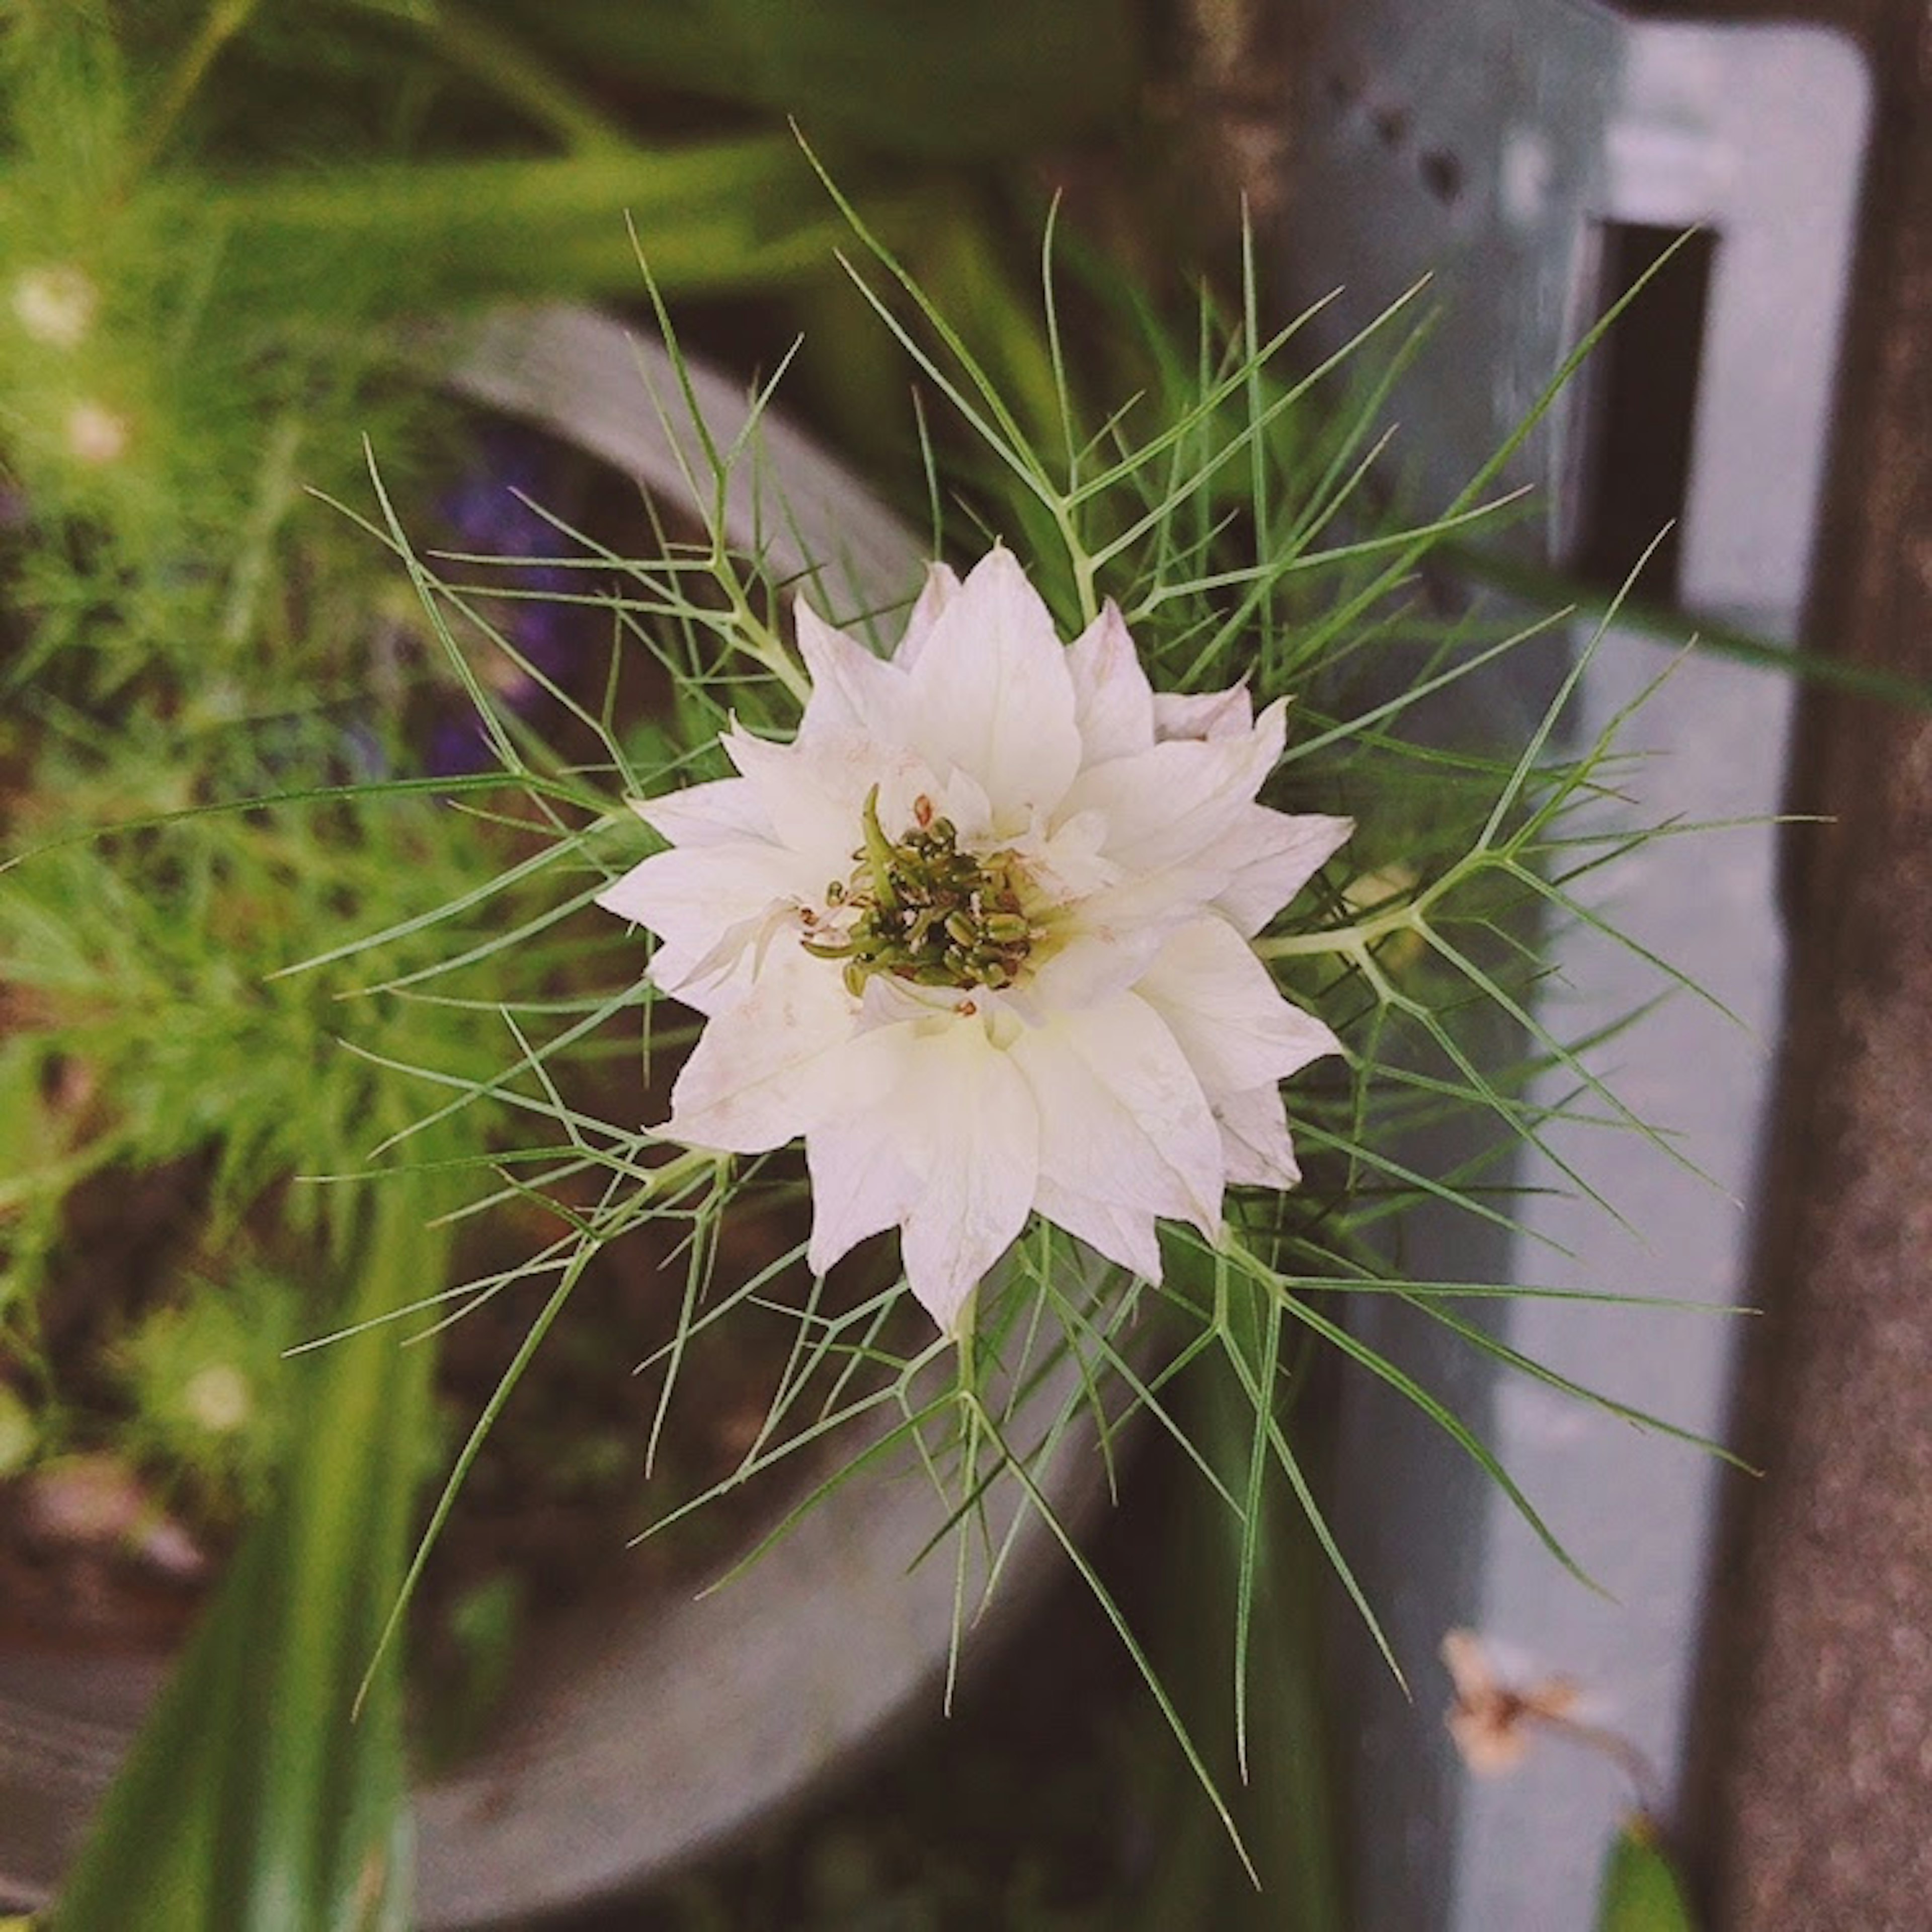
1223	510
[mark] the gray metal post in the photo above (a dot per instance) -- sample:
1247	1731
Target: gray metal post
1497	143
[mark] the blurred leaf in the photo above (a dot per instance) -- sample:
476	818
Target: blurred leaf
482	1630
1286	1800
710	214
951	79
1640	1890
254	1800
19	1433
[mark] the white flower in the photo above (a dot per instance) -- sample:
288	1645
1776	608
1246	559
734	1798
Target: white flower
980	934
56	305
96	435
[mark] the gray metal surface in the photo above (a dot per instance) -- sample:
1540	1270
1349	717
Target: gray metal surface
1489	142
618	394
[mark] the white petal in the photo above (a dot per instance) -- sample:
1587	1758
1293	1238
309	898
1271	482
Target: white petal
992	694
861	1184
1123	1234
765	1067
974	1129
1123	1119
814	792
1103	956
691	895
1113	704
940	589
935	1129
851	689
1254	1136
888	1000
715	814
721	974
1206	714
1221	1004
1273	855
1066	862
961	798
1102	945
1174	804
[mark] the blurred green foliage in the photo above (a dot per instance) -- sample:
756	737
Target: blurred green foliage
216	218
1641	1890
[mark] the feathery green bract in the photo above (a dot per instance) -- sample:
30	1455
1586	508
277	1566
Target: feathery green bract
1222	508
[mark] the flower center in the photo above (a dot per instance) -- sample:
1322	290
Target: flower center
921	909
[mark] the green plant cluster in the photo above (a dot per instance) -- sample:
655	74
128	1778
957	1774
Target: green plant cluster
182	629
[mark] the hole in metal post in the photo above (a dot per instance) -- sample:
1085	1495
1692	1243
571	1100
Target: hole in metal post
1391	125
1442	175
1644	408
1342	89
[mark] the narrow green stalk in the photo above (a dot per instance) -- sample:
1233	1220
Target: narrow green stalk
223	20
253	1800
511	69
1352	942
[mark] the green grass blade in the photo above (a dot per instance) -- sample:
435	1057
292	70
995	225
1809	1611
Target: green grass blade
254	1800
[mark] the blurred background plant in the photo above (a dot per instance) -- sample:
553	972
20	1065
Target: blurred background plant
206	207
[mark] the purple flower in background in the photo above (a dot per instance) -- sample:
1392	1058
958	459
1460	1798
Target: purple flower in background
491	513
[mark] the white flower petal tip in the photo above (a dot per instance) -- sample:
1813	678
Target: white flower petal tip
979	936
1210	714
940	587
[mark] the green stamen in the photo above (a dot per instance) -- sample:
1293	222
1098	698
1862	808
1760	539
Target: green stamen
924	911
878	855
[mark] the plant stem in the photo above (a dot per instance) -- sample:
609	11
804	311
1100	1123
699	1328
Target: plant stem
223	20
252	1799
1355	940
511	70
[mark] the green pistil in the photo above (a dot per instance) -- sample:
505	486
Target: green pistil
925	911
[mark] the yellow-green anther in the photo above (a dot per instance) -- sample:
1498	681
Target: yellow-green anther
919	908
